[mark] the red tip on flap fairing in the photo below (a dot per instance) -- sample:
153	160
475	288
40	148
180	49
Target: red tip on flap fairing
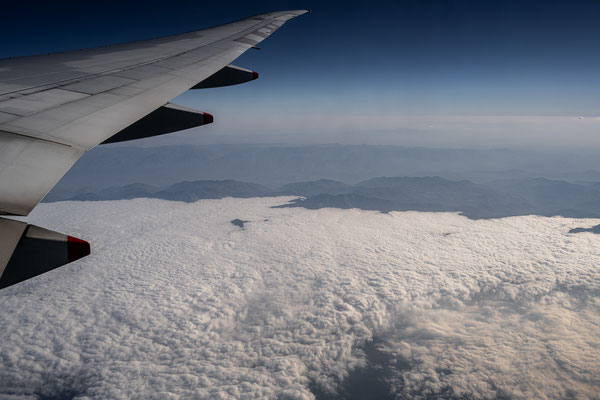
77	248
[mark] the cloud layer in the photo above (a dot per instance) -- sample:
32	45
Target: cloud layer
372	127
176	302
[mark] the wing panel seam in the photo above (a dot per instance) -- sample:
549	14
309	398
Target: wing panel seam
117	70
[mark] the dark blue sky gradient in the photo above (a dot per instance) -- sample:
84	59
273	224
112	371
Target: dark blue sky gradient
397	57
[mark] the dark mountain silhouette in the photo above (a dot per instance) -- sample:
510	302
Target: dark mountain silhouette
500	198
190	191
126	192
312	188
553	197
419	194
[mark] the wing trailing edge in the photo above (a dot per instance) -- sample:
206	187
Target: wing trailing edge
55	107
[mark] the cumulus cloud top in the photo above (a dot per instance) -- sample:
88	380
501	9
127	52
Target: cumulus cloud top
176	302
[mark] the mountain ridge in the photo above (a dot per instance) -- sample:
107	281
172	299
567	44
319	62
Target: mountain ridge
496	199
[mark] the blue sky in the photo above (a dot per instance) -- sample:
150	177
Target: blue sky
366	67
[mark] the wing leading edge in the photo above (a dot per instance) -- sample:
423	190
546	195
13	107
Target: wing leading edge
55	107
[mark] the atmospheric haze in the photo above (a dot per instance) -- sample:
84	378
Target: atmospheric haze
176	301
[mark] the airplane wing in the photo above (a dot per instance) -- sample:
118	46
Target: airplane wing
55	107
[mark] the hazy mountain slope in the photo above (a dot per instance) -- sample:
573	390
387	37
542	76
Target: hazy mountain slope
500	198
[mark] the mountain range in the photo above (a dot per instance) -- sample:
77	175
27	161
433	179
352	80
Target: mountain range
500	198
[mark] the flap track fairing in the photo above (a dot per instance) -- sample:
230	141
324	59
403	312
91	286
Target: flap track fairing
38	250
230	75
166	119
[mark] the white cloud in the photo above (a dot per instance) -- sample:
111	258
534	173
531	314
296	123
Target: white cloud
176	302
453	131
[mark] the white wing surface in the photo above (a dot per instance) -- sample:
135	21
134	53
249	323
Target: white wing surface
55	107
